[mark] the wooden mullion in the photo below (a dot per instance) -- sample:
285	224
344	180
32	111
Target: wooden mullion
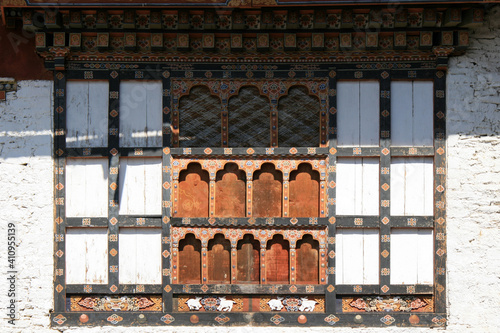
132	221
385	182
358	152
89	289
412	221
113	181
357	221
440	192
251	289
355	289
281	152
330	292
412	151
412	289
143	151
167	253
87	222
59	114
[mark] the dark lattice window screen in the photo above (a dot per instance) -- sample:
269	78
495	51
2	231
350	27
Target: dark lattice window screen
199	119
249	119
298	120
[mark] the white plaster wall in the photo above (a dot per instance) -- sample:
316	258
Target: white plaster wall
473	198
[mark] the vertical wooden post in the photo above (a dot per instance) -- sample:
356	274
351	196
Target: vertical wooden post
234	261
293	262
286	193
263	245
204	260
211	197
385	183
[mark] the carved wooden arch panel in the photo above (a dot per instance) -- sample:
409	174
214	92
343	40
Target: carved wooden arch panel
307	260
285	240
267	192
219	260
230	192
189	259
277	260
304	191
300	111
193	192
199	118
272	89
248	260
250	167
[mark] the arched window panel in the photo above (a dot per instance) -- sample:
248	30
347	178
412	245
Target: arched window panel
219	260
249	114
248	260
358	113
277	260
304	192
87	113
193	192
299	119
199	119
189	259
140	113
267	192
230	192
307	260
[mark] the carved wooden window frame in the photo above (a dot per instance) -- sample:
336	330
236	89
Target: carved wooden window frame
384	72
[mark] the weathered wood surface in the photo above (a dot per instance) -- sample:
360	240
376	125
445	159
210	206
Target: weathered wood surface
412	256
87	187
140	186
358	113
412	110
357	186
230	192
357	256
248	259
139	256
87	256
412	186
87	113
304	192
307	267
140	113
219	260
193	192
189	260
267	192
277	260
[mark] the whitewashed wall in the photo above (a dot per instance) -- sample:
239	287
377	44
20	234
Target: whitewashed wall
472	198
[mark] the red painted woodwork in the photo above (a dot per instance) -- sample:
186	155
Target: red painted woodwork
304	192
248	260
193	192
230	192
277	262
219	260
267	192
19	60
189	260
307	261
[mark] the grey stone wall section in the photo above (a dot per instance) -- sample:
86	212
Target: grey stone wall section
473	201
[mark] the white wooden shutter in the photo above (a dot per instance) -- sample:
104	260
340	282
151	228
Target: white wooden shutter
87	113
140	113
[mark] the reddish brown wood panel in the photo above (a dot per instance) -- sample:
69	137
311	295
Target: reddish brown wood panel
189	260
304	192
277	260
248	260
307	255
193	192
230	192
267	192
219	260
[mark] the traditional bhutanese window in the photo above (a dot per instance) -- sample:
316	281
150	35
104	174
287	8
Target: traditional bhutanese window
184	197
